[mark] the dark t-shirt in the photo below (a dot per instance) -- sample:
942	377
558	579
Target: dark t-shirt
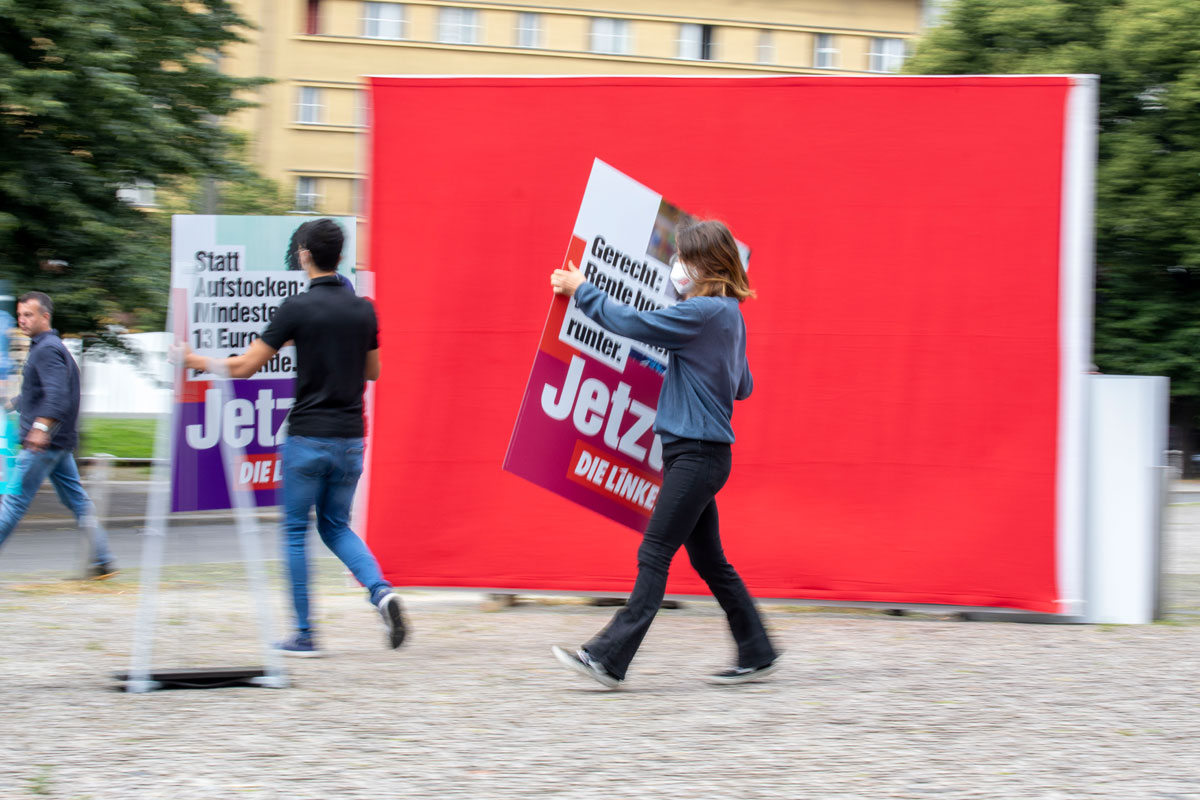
333	331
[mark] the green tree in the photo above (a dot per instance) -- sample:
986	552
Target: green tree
250	193
1147	54
93	96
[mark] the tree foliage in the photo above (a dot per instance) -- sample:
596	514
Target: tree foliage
95	95
1147	54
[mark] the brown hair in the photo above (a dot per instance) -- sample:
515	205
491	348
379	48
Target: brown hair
711	255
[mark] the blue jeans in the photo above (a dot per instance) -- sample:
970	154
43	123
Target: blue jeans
32	468
323	472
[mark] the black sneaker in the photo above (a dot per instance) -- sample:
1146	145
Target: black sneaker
584	664
736	675
102	572
393	618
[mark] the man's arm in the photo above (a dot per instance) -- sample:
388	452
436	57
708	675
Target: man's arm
243	366
52	372
278	332
373	365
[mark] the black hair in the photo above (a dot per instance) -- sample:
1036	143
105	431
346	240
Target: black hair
292	257
42	299
323	238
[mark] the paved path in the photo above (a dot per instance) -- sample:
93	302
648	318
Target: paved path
123	501
64	548
122	504
474	706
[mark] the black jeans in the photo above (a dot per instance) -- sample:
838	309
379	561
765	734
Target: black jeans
685	515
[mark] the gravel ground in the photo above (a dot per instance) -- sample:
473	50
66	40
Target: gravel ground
867	706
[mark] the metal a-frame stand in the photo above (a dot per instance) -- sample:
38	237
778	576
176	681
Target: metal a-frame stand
141	677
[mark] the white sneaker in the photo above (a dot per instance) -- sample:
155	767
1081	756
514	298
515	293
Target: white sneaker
584	664
393	618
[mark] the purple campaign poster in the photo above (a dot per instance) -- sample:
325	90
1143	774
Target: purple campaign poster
228	277
253	419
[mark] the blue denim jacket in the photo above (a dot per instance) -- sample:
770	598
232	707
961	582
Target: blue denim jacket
707	370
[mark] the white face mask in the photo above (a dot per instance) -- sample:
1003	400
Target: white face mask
680	278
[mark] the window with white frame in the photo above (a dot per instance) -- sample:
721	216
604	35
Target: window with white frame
458	26
934	12
886	55
766	47
309	107
362	109
825	51
607	35
139	194
385	21
695	42
308	194
529	30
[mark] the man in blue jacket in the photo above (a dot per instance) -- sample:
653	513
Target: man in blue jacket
49	431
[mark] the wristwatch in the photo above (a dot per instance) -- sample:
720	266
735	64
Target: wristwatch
41	426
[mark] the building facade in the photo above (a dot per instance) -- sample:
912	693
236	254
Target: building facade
309	125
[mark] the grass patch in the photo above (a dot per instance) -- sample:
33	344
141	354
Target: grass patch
52	587
40	784
123	438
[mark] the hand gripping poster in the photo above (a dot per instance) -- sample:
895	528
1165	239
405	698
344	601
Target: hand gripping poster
229	275
585	427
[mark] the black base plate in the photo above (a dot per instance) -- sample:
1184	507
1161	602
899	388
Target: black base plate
201	678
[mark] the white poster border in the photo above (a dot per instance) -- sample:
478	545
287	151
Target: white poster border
1076	287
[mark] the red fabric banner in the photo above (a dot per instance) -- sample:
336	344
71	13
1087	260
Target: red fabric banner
901	441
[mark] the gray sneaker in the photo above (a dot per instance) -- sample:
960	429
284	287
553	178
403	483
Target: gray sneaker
584	664
737	675
393	618
299	646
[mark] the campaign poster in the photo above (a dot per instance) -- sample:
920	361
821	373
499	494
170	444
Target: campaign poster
229	275
585	426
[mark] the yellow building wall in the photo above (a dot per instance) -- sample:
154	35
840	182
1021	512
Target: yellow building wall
334	60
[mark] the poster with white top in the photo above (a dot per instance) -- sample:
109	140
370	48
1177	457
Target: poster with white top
229	275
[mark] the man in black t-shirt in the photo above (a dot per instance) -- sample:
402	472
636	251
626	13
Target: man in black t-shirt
337	351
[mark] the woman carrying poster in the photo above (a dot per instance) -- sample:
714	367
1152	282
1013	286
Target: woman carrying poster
706	337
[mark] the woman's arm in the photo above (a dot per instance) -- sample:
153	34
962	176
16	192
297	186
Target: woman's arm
746	384
668	328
